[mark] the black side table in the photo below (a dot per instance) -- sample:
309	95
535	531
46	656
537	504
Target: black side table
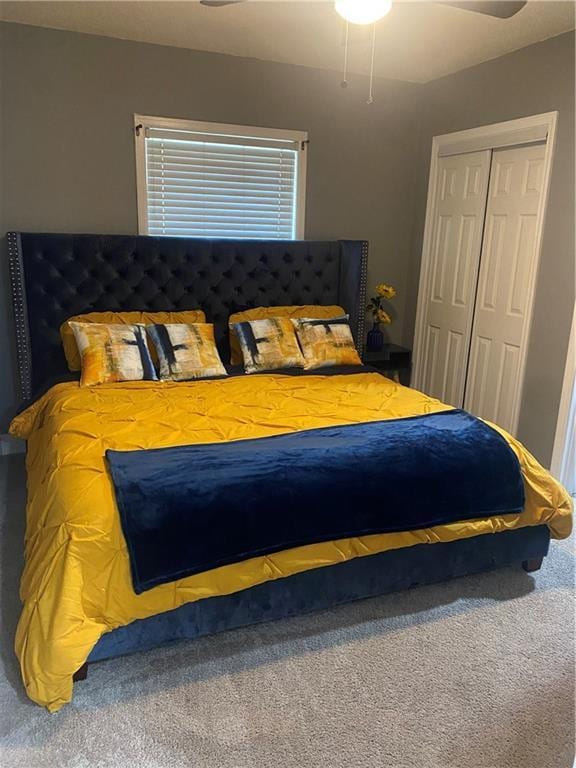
394	361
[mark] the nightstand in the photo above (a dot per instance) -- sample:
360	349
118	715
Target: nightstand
394	361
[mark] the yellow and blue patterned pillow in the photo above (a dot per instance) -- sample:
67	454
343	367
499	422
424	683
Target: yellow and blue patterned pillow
113	352
268	344
263	313
326	342
122	318
186	351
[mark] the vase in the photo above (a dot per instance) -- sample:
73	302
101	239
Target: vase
374	339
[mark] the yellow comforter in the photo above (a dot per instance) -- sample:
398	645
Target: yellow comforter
76	583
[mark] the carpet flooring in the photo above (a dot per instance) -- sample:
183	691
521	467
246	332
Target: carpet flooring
475	673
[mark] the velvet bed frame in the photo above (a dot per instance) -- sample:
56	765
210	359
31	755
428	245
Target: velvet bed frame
55	276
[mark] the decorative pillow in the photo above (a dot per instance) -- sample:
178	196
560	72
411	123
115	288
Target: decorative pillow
121	318
326	342
268	344
113	352
186	351
263	313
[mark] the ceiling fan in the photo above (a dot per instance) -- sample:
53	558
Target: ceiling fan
500	9
364	12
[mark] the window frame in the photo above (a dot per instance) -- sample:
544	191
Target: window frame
142	122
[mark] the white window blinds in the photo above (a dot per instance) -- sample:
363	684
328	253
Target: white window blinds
214	183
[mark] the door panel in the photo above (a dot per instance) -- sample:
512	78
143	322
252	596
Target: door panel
504	295
457	240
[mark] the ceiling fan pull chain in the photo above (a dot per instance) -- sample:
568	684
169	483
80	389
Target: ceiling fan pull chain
344	83
370	89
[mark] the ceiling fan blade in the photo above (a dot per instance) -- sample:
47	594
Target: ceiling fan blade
501	9
219	3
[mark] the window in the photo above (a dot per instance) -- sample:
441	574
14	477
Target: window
215	180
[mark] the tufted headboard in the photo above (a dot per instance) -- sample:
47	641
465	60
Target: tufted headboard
55	276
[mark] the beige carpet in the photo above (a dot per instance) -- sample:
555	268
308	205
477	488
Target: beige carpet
477	673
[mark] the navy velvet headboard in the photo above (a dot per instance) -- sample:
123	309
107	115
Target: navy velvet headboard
55	276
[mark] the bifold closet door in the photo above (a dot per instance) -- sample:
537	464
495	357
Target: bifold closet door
456	245
505	285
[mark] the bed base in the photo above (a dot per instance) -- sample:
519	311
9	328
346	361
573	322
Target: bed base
327	587
81	674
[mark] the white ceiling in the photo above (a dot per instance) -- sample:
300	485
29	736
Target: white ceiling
417	41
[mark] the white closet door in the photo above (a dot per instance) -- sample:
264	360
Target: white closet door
456	243
505	284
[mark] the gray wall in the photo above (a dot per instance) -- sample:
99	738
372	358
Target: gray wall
536	79
67	158
67	151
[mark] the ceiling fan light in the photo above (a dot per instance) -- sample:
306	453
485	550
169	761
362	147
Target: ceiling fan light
363	11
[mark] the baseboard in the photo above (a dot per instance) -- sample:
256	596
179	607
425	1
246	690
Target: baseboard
9	444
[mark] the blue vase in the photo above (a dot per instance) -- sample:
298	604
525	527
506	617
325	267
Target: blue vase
374	339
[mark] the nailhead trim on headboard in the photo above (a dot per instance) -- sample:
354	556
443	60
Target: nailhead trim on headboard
20	314
361	341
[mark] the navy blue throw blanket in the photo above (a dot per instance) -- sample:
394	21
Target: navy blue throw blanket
189	509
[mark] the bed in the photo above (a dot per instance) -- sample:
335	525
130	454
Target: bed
79	604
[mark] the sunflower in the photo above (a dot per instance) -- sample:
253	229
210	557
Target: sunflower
383	317
385	291
375	305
